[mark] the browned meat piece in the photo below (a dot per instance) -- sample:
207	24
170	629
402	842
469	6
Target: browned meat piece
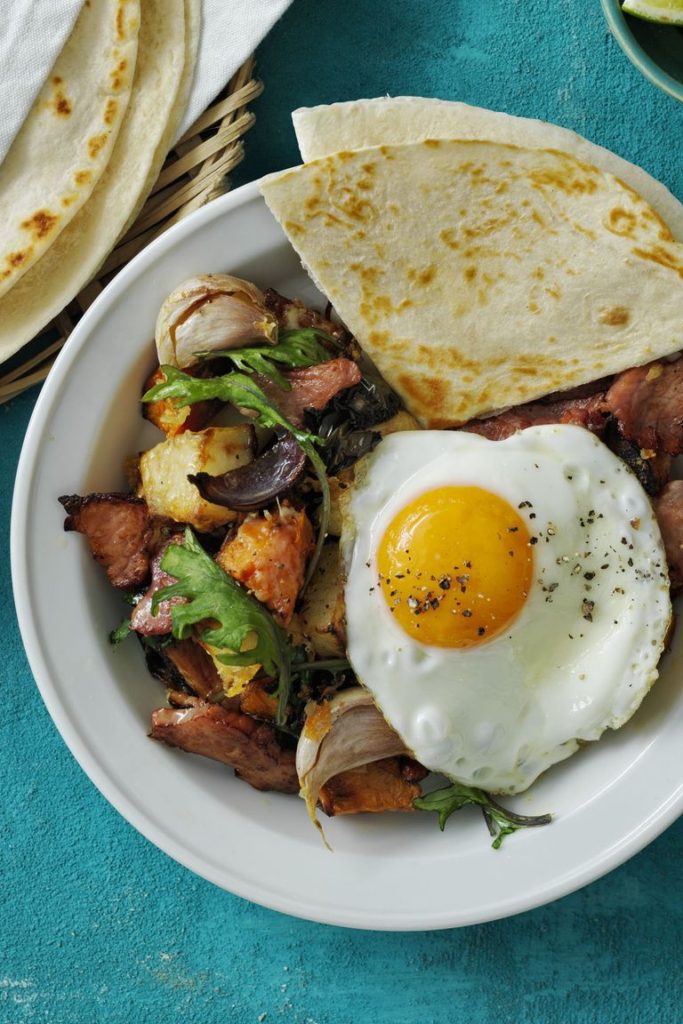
248	746
268	554
378	786
413	771
292	313
118	529
648	402
652	472
669	511
195	666
588	412
142	620
311	387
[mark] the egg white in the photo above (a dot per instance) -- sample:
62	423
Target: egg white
498	714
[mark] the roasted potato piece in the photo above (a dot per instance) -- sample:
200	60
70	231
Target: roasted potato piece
401	421
256	701
322	612
340	489
233	677
164	470
174	419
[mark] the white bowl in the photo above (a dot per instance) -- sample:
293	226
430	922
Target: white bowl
388	871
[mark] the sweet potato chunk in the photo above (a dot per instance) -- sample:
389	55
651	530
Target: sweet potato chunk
378	786
174	419
268	554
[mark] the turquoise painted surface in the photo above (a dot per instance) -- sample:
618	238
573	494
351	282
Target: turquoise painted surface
96	925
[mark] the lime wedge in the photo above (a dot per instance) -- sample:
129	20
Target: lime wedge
665	12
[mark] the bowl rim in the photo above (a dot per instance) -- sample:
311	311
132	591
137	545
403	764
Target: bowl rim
617	21
647	829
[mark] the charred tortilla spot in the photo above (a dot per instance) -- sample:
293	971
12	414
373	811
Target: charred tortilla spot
614	316
82	177
662	256
110	111
95	144
40	224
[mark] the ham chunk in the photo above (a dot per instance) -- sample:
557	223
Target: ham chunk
669	510
648	403
142	620
312	387
268	554
226	735
118	529
588	412
293	314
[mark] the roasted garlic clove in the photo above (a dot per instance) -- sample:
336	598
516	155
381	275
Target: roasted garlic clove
342	733
211	313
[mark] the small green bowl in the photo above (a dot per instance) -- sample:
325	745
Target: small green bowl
656	50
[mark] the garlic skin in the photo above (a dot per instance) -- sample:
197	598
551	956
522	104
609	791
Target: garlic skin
343	733
211	313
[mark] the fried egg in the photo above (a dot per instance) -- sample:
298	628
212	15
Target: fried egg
505	600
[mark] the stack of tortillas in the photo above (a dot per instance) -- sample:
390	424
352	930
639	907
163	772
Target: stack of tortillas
85	158
481	260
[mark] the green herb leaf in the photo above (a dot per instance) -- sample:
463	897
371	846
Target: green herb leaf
240	390
213	595
500	821
120	633
294	349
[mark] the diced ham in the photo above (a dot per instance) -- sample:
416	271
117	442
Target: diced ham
248	746
669	510
118	529
648	403
588	412
142	620
292	314
312	387
268	554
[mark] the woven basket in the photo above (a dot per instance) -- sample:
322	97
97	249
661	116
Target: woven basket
195	171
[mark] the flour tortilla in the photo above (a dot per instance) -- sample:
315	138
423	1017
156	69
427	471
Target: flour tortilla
168	45
394	121
478	275
67	140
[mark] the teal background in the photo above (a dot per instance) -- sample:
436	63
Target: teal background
97	925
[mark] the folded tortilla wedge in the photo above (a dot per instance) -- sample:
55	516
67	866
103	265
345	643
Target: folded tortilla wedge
396	120
479	275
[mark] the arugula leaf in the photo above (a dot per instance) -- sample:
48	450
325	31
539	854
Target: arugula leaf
500	821
240	390
294	349
214	596
120	633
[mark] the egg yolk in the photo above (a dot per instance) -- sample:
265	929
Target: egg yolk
455	566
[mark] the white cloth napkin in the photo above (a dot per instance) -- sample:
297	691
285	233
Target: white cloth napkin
231	30
32	33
